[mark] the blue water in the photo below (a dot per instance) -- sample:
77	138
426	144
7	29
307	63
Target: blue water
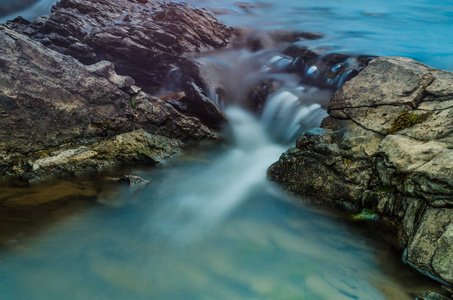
419	29
210	225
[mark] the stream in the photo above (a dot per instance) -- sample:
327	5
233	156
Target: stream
209	225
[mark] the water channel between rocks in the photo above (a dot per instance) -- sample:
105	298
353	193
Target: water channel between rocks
209	225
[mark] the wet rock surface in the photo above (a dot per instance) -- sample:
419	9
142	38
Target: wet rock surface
51	102
144	39
386	148
193	101
124	149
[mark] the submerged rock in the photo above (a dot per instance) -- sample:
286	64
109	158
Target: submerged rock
133	180
324	68
387	148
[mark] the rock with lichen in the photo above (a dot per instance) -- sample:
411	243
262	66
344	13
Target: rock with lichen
51	104
386	148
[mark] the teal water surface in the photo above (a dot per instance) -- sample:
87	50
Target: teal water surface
419	29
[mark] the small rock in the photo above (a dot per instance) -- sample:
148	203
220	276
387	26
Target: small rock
428	295
133	180
199	105
106	69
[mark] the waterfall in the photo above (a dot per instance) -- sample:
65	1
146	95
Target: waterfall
198	202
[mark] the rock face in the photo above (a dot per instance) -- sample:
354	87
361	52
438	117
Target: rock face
52	101
193	101
124	149
386	147
144	39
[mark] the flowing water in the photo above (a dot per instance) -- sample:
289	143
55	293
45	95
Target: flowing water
209	225
419	29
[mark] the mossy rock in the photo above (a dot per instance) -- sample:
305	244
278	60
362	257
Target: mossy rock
405	120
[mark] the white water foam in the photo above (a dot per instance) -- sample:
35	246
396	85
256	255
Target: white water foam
204	199
201	200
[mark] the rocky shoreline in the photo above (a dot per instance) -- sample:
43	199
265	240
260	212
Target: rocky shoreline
62	112
386	150
76	95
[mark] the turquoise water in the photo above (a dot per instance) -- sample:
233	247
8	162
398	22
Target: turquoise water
419	29
147	244
210	225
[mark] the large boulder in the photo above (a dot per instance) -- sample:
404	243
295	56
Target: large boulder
52	101
386	148
144	39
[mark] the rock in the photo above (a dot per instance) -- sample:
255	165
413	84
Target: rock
430	248
106	69
386	148
116	192
60	159
142	38
124	149
133	180
429	295
193	101
198	104
136	146
323	68
50	102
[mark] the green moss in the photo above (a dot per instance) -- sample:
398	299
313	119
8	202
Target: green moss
404	120
43	153
366	214
347	162
133	99
384	189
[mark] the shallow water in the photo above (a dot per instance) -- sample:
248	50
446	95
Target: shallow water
210	225
154	243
